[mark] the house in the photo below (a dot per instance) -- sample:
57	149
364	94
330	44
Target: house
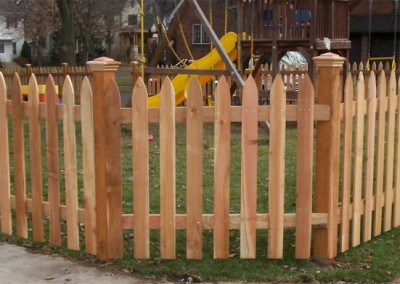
11	33
382	28
127	32
193	32
186	33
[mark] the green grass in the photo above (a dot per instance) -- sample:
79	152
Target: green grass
375	261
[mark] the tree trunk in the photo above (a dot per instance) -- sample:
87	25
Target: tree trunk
67	52
85	49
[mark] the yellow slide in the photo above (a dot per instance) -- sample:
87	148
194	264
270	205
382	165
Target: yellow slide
211	61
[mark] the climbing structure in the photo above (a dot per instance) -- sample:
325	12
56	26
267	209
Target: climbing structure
274	27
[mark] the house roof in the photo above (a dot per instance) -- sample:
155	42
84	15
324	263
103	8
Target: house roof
8	7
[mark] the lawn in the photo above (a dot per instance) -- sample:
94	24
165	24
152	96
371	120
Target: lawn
375	261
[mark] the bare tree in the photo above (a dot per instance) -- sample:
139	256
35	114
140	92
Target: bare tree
40	17
66	9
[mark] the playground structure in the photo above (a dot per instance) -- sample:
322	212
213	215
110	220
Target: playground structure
266	30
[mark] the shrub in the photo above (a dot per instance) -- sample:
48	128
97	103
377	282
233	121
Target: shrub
26	51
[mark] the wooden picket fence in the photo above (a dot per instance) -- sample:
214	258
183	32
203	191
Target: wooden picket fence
291	76
365	195
76	74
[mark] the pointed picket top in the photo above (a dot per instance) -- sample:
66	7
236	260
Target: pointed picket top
139	91
349	89
33	92
372	86
86	91
380	65
361	66
392	83
374	67
16	88
387	66
221	91
277	83
250	84
167	92
51	93
360	84
195	92
3	92
68	92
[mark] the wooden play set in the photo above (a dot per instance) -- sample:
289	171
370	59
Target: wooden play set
347	187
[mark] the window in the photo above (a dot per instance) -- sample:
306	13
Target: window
11	21
1	47
14	48
199	35
132	20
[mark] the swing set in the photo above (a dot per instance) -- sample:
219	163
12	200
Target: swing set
392	59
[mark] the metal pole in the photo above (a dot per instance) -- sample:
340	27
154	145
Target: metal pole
142	57
234	73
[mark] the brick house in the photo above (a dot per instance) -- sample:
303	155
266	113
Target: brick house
196	37
382	29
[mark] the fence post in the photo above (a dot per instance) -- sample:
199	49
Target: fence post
328	92
64	67
104	70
